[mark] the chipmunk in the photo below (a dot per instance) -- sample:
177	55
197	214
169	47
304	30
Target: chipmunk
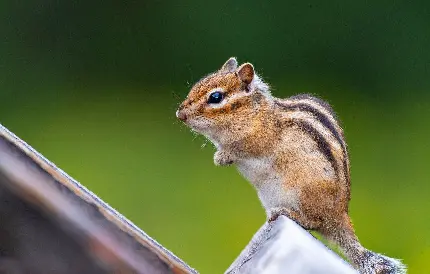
293	151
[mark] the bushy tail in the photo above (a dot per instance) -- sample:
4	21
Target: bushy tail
366	261
374	263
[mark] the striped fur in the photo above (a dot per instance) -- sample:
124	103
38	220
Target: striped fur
323	114
293	152
324	145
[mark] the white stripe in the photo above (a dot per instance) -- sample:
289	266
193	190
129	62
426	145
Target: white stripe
308	117
317	106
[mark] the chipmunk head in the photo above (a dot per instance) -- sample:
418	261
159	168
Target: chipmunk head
223	104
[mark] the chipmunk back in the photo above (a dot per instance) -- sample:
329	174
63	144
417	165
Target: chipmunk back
292	151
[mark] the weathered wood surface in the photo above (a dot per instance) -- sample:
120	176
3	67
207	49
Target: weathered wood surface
49	223
284	247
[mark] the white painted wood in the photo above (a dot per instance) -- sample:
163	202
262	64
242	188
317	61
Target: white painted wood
284	247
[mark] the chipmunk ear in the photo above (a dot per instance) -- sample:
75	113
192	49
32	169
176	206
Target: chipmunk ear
246	73
230	65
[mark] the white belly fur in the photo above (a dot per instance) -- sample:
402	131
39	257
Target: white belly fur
260	173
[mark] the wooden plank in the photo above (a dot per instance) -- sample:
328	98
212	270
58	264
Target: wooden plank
74	214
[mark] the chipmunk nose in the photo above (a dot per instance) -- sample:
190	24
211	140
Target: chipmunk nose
181	115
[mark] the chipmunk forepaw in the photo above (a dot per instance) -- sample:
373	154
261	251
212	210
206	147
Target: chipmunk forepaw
222	158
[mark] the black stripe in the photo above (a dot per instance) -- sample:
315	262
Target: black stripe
323	145
317	100
321	117
325	121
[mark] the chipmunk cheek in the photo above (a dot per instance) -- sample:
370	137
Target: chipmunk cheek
216	112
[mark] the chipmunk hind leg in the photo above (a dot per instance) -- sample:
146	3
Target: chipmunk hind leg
316	203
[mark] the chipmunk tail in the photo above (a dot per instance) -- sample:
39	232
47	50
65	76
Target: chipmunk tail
366	261
374	263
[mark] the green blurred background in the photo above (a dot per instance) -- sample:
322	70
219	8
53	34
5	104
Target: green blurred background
94	85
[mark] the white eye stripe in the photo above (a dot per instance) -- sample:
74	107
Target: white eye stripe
227	100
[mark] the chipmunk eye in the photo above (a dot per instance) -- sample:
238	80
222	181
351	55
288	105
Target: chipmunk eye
215	97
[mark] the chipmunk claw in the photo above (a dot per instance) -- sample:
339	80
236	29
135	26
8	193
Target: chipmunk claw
276	212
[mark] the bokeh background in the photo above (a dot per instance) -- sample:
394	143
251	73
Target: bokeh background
94	85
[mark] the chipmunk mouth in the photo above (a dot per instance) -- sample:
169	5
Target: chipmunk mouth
200	125
197	123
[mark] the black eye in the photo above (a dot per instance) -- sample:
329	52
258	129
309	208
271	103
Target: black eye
215	97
